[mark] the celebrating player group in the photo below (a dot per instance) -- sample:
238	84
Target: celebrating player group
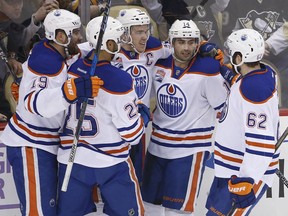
199	99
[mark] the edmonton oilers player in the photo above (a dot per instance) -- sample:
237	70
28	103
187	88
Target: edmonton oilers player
111	124
245	158
189	91
139	53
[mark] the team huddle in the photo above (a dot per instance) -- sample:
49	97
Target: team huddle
117	85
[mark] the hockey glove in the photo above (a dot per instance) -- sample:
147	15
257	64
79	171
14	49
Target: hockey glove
82	87
211	50
228	74
15	91
144	112
241	190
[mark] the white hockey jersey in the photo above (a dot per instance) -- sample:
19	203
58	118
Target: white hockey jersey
248	129
36	122
187	103
140	66
111	121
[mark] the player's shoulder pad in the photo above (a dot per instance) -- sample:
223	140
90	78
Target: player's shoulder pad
79	68
166	63
205	65
258	86
153	44
45	60
116	81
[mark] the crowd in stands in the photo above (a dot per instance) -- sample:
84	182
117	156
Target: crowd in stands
20	28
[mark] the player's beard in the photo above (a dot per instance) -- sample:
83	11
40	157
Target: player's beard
73	49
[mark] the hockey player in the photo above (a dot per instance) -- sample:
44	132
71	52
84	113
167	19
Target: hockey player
245	158
31	136
189	91
112	122
138	55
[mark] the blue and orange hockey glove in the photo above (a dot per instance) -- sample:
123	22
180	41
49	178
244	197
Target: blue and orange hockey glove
228	74
211	50
15	91
144	112
82	87
15	88
241	190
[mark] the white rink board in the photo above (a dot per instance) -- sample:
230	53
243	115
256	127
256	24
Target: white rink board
275	205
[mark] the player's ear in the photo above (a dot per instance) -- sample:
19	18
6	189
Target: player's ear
111	46
61	37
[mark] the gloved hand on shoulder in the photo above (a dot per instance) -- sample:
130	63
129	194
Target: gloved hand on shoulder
144	112
81	87
228	74
211	50
241	189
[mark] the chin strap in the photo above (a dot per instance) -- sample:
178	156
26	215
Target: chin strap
129	42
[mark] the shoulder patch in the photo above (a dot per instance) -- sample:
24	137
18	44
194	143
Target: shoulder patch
79	68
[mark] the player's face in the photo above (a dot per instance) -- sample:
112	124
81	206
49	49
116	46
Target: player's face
75	39
12	8
185	48
140	35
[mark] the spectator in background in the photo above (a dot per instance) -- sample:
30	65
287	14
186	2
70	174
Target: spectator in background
206	14
33	18
14	36
96	7
18	35
5	111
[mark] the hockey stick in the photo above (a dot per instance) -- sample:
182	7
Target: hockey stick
278	173
84	104
278	144
281	139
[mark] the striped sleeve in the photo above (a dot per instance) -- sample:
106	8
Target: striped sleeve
260	139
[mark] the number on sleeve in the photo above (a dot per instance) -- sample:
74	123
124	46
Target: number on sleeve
254	120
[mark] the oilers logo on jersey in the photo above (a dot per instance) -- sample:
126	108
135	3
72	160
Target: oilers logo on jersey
171	100
141	79
224	111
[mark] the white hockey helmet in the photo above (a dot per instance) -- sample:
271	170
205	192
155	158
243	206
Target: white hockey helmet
248	42
184	29
132	17
61	19
113	31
